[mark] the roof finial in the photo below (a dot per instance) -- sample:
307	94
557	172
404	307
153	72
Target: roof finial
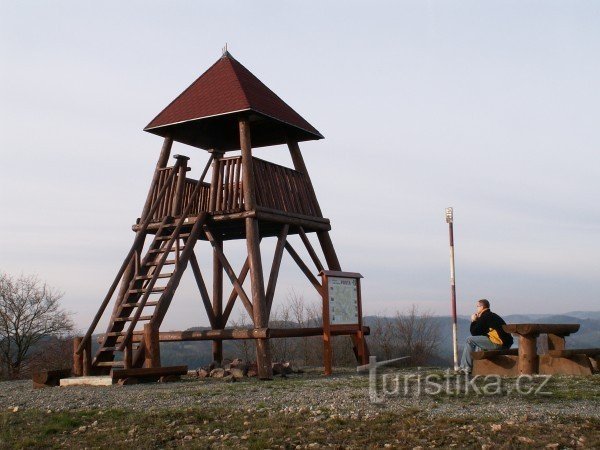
225	52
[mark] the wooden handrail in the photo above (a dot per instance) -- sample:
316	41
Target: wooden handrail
169	245
140	235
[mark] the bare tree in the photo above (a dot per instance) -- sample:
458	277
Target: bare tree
246	348
418	334
29	312
413	333
384	338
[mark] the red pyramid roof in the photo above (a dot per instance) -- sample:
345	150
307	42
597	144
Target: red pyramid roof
205	114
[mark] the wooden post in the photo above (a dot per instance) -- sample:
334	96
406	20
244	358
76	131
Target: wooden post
528	358
152	346
77	359
327	344
87	358
180	185
217	346
127	356
555	342
214	182
161	163
260	314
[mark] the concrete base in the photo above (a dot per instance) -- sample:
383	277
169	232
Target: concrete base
87	381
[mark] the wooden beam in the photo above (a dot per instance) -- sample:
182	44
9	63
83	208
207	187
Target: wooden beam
203	290
333	263
259	302
77	358
310	249
152	345
180	185
217	306
303	267
234	295
247	169
246	333
229	271
224	334
281	239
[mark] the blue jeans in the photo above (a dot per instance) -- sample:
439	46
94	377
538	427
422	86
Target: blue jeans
475	343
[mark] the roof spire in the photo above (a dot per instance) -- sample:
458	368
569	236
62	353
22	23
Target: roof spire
226	54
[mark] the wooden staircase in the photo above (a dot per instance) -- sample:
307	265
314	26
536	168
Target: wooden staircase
148	294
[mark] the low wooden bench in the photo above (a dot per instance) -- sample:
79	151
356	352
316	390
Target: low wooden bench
498	362
146	374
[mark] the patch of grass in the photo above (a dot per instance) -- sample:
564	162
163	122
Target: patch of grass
229	428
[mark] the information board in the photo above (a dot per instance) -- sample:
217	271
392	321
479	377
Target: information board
343	300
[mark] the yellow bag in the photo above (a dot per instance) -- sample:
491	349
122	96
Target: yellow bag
495	337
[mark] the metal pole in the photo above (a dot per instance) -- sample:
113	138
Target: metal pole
449	221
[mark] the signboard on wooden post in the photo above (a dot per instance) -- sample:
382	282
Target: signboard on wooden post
342	311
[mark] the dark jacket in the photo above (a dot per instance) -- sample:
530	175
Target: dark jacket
490	324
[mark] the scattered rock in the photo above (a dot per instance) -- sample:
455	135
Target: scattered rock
237	373
217	373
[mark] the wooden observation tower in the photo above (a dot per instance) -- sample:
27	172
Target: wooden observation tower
227	109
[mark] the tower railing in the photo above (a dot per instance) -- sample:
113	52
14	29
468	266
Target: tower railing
278	189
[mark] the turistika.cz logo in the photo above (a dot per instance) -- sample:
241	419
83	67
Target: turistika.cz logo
389	384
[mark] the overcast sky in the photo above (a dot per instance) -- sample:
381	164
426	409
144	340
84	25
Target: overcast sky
490	107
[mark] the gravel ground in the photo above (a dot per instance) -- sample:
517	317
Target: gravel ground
345	394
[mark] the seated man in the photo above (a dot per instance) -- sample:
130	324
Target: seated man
487	334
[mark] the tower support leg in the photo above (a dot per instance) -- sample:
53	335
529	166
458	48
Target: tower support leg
328	250
152	346
259	302
217	345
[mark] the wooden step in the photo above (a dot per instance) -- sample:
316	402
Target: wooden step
167	262
167	238
107	349
142	291
122	333
161	250
129	319
115	333
149	277
110	364
135	305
